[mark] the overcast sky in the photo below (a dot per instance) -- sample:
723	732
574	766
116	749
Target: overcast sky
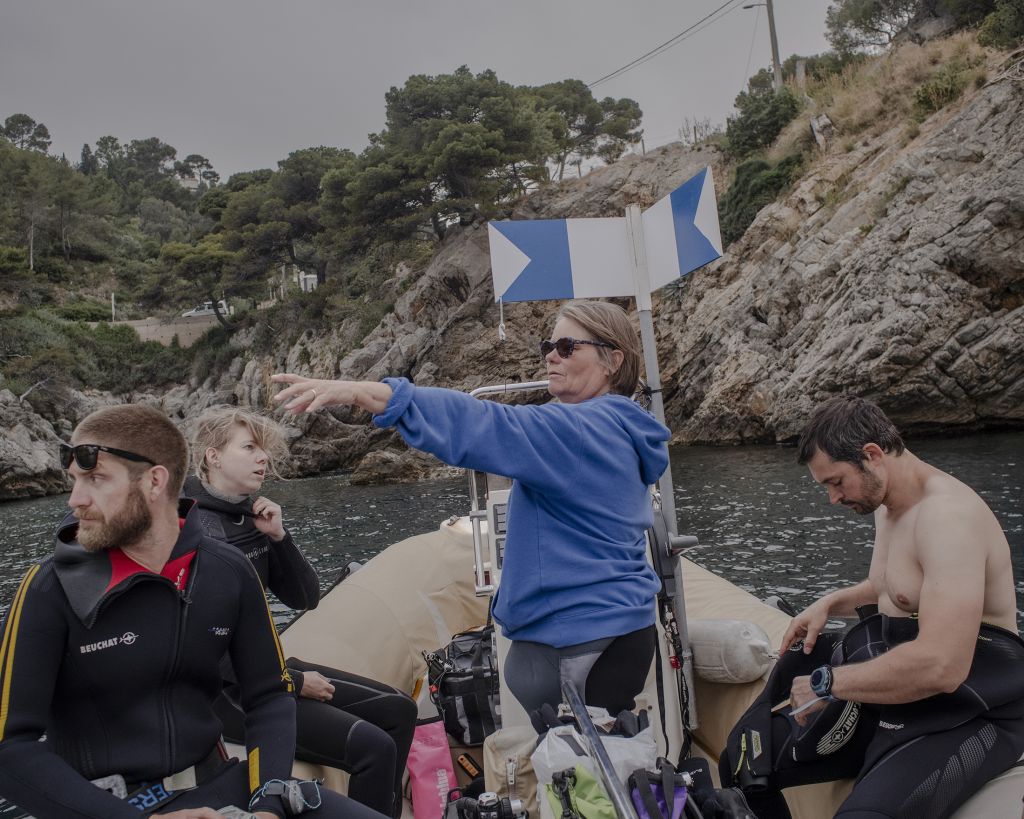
245	82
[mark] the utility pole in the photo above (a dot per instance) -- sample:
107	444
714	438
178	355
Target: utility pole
776	62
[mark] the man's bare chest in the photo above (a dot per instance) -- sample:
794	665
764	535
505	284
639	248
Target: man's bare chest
896	572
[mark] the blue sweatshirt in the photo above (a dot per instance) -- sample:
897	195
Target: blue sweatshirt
575	565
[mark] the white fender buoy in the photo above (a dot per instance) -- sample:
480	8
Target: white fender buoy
729	651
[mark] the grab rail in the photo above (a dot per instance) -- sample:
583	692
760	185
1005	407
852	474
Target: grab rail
615	789
476	514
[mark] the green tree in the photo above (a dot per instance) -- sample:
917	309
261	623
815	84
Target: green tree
582	127
762	115
968	12
206	265
858	25
88	164
69	197
26	133
464	140
33	189
279	220
197	166
1004	28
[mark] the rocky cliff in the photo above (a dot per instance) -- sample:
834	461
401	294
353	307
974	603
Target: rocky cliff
894	269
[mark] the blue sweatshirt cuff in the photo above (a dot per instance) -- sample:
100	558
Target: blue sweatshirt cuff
401	396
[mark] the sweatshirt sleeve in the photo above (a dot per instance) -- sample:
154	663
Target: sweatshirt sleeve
537	445
292	579
265	692
31	650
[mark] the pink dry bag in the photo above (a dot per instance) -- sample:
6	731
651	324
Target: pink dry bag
431	774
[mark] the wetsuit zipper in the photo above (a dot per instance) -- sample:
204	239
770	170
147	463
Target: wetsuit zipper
185	600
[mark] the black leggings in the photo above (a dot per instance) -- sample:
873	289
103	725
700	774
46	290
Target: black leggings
231	787
609	673
366	729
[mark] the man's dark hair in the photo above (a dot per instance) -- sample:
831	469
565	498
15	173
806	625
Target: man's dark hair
842	426
143	430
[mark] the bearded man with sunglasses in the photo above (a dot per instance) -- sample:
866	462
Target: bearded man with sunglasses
577	594
111	651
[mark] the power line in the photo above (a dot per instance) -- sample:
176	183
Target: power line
753	37
682	35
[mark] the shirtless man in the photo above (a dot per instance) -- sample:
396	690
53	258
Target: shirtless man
940	570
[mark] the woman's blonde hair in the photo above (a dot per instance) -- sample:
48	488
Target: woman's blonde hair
609	323
214	427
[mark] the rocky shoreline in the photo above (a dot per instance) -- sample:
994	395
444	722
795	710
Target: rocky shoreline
894	270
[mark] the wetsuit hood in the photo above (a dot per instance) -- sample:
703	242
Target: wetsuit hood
85	576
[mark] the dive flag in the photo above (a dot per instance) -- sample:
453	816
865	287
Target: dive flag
681	230
536	260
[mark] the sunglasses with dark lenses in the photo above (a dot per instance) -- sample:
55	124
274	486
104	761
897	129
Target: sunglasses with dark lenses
86	455
565	346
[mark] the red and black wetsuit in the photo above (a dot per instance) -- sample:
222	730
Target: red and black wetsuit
119	667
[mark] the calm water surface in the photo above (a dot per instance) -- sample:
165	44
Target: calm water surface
761	520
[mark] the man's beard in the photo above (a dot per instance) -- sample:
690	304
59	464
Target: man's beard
124	529
872	495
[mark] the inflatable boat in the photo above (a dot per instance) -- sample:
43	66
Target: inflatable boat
417	593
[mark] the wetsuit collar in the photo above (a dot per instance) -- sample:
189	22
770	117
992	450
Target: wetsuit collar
195	488
86	576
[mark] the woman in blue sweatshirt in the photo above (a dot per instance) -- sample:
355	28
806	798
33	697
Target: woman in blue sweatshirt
577	594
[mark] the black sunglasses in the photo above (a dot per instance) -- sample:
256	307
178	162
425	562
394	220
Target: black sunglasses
565	346
86	455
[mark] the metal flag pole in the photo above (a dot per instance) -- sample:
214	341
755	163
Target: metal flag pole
641	279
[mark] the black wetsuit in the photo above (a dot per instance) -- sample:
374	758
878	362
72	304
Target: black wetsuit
917	760
119	667
366	729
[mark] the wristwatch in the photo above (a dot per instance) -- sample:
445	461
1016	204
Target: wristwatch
821	681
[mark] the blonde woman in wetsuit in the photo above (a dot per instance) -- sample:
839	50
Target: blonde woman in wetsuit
359	725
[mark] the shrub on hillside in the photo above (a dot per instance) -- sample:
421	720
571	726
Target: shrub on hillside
969	12
37	345
1004	28
757	183
945	86
84	311
762	115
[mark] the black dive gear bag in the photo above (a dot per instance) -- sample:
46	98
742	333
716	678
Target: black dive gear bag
463	679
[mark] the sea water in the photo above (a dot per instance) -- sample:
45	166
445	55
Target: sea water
761	521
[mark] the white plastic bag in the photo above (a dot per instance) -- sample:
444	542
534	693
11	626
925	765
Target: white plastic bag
564	747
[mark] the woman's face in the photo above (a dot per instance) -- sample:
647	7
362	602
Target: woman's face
582	375
240	466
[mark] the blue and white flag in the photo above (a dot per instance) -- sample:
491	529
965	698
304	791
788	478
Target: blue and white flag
536	260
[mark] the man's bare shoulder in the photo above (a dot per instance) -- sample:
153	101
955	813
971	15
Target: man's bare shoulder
944	495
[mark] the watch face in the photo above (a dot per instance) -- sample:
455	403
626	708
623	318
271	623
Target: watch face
820	679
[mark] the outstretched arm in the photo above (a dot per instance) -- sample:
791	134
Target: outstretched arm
310	394
459	429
